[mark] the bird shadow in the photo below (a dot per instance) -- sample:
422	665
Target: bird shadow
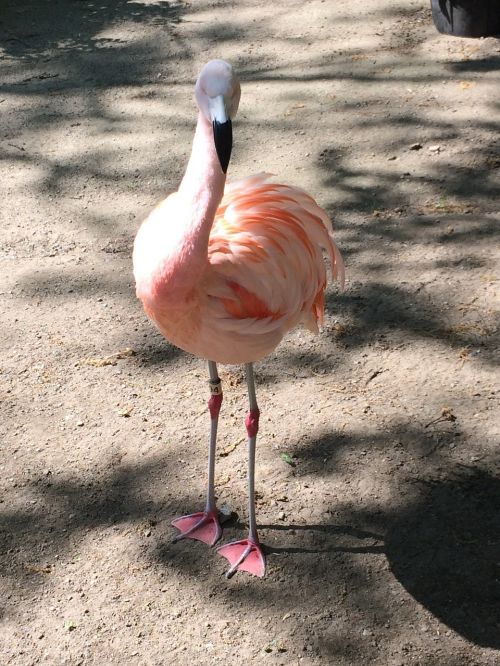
29	29
64	508
328	532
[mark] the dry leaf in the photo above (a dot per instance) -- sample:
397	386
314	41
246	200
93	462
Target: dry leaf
449	207
125	412
339	330
230	447
294	107
464	353
97	362
447	414
470	328
125	353
222	480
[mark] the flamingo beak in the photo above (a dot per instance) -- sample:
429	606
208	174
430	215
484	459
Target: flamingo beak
223	130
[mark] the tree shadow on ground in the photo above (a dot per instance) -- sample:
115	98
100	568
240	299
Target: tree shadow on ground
332	533
445	549
65	510
441	541
401	314
31	28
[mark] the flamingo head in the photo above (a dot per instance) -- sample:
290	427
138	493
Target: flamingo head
218	95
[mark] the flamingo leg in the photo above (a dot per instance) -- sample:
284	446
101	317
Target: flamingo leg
247	554
204	525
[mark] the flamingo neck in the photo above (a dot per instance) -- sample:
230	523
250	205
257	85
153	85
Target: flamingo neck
170	263
203	183
200	192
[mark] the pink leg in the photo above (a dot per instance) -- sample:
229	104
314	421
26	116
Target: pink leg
247	555
204	525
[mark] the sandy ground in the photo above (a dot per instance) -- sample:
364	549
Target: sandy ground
383	532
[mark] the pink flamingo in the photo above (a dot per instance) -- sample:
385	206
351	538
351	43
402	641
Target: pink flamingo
224	271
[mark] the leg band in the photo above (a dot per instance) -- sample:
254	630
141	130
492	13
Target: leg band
215	386
215	400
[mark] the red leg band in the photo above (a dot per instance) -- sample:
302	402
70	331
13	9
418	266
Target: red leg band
214	403
252	422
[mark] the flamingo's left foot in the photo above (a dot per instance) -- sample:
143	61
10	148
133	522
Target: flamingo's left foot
244	555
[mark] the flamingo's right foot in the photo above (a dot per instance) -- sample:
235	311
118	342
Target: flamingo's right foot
203	526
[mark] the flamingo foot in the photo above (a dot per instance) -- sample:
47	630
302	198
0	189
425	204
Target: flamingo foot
244	555
203	526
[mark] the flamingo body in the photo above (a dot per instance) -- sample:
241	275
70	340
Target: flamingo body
263	272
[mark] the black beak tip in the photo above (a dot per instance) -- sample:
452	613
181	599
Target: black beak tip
223	137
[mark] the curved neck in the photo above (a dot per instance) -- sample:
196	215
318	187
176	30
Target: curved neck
200	193
203	183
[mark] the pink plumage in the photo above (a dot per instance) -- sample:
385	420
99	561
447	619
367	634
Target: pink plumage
226	271
262	275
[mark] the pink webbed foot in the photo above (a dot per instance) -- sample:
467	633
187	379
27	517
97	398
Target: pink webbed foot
244	555
203	526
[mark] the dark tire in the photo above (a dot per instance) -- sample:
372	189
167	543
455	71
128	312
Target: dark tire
467	18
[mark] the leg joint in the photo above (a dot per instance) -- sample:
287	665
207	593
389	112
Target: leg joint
252	422
214	404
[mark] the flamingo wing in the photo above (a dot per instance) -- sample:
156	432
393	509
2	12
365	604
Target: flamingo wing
265	254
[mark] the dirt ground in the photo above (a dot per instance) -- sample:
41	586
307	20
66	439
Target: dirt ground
378	460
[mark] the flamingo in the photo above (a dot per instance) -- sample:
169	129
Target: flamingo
225	271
